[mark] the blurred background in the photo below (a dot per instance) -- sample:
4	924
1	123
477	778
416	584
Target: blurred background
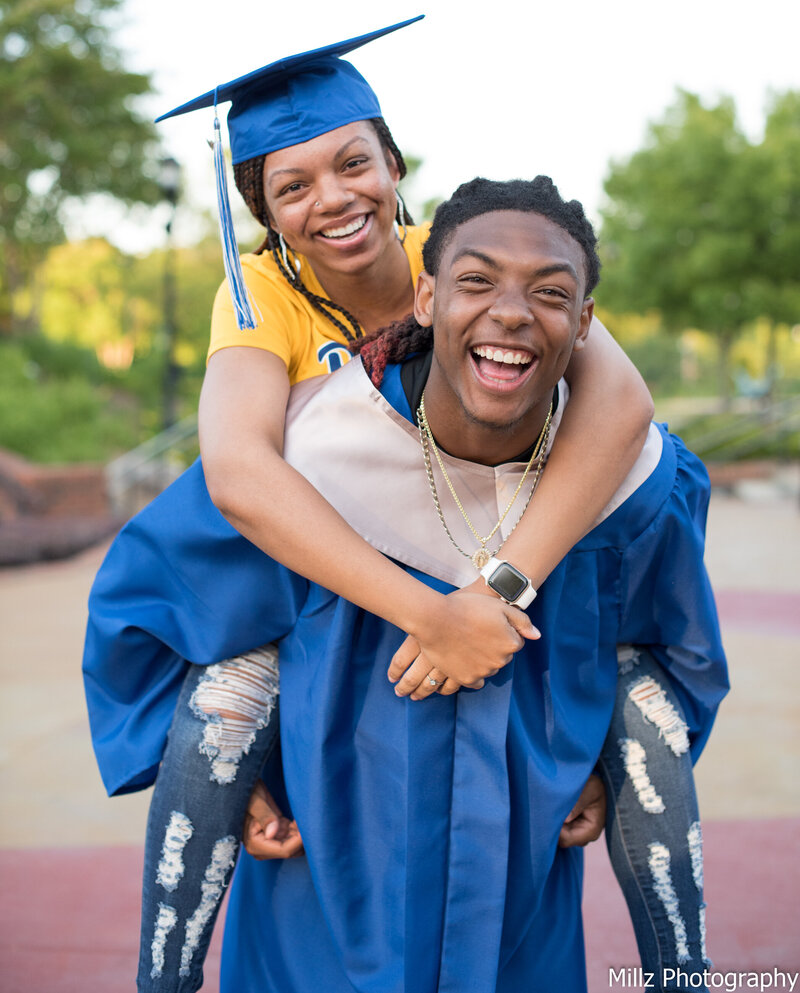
677	126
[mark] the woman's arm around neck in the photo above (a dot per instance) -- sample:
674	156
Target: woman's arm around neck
242	413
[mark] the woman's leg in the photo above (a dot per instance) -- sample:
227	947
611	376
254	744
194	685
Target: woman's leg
225	726
653	827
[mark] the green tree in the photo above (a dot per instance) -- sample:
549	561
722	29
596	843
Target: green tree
778	174
94	296
68	127
699	222
777	171
86	299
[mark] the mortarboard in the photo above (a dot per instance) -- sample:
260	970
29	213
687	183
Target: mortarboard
284	103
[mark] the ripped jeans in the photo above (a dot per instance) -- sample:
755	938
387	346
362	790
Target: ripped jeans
211	764
652	825
224	728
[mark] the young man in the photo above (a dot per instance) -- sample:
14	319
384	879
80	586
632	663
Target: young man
430	831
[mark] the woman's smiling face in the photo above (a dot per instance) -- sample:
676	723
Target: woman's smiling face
333	197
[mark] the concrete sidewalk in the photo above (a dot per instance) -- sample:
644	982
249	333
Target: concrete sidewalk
70	858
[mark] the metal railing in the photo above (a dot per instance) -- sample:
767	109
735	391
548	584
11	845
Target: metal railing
749	433
139	475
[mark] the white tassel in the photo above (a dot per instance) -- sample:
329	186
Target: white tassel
245	318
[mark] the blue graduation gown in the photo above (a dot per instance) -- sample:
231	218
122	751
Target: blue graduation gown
430	828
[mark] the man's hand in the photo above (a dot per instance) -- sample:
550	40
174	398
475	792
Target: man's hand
472	637
267	833
586	819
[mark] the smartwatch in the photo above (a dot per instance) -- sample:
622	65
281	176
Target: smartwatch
509	583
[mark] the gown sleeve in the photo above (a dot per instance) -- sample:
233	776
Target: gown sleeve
666	602
178	585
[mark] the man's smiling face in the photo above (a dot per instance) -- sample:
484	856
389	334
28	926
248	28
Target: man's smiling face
507	306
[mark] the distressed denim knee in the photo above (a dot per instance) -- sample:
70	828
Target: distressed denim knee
235	700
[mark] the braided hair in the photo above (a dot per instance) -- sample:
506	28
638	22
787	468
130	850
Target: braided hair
249	178
473	199
394	343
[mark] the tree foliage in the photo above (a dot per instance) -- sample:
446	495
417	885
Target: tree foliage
777	169
68	125
95	296
89	384
703	225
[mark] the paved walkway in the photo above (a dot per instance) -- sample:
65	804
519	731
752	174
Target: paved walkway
70	858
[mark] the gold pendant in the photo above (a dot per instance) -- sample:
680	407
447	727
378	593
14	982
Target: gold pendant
481	557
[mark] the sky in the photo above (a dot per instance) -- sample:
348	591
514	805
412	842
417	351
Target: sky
500	88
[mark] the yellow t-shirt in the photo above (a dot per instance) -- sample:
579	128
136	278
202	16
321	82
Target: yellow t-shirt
289	324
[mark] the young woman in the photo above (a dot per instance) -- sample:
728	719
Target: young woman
342	262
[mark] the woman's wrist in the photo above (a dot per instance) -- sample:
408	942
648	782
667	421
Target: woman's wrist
420	605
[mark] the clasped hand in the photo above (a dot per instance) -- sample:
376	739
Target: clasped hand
471	637
269	835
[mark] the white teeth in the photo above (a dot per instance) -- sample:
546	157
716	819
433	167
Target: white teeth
350	228
500	355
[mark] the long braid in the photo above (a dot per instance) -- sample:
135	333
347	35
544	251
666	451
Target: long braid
392	344
249	177
320	303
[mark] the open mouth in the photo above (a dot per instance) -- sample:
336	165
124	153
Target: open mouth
503	367
345	231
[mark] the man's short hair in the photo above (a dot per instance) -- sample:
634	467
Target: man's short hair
537	196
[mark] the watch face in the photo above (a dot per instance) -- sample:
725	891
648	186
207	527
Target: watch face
508	582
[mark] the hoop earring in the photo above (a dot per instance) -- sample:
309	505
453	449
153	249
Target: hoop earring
292	270
400	218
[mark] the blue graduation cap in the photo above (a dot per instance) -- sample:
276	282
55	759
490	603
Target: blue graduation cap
284	103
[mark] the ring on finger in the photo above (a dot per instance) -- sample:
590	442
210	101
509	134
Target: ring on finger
434	682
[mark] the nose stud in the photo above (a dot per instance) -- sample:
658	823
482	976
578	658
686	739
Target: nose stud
317	203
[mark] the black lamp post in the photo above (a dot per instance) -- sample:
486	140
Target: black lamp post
169	181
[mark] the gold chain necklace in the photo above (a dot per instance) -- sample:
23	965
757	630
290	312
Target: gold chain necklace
480	557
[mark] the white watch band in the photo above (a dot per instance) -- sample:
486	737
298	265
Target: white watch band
491	567
525	598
